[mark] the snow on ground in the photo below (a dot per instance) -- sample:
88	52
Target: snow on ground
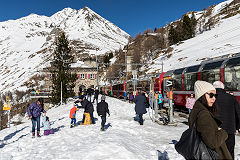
124	138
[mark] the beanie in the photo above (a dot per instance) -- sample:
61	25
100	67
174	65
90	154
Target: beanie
202	87
218	84
103	98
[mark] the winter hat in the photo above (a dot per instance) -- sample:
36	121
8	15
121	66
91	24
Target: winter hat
103	98
202	87
218	84
81	97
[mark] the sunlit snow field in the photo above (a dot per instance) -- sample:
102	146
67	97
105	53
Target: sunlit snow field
124	138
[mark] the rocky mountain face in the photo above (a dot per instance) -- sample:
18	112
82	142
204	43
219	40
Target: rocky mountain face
27	44
215	34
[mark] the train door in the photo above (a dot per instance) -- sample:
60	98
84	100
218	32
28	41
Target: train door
178	87
167	76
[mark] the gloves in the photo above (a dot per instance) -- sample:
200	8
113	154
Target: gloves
74	115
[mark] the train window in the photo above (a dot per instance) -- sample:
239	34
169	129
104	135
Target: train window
211	72
189	80
232	75
193	69
177	79
211	75
213	65
177	82
178	71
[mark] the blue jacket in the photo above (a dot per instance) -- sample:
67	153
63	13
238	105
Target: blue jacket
34	110
140	101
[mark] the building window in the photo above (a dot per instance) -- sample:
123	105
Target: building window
82	76
92	76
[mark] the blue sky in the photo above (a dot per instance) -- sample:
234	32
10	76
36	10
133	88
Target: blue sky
133	16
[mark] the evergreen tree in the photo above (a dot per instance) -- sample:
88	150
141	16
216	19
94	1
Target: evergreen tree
187	28
61	71
174	36
194	23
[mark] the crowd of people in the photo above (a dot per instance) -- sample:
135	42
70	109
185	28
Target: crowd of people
218	114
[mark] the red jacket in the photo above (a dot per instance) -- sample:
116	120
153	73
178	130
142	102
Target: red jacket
72	111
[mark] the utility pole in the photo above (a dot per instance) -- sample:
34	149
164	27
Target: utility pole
97	68
162	66
97	72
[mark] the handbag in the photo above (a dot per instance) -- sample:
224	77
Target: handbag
191	145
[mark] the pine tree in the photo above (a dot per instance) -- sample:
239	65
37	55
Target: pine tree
187	28
174	36
194	23
61	71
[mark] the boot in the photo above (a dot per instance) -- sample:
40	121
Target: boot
38	134
33	134
102	128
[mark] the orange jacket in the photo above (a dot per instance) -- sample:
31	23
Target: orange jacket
73	111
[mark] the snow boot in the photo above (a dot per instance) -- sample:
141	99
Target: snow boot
38	134
102	129
33	134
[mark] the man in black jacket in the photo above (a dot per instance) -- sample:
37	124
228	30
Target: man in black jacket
140	107
102	110
96	93
229	114
88	107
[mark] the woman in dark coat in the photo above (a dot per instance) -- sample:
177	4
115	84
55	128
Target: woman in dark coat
207	124
140	107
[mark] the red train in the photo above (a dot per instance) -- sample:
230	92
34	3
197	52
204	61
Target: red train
224	69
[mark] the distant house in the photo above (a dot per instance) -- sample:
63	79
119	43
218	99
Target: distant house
86	72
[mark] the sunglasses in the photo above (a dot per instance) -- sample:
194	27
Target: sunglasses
211	95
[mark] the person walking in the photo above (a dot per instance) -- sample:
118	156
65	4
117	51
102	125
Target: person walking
190	103
229	114
102	110
140	106
34	113
88	107
96	93
89	94
207	123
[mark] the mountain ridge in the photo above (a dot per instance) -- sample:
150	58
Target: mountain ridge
30	41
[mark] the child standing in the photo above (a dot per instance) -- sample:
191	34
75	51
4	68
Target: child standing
47	126
73	115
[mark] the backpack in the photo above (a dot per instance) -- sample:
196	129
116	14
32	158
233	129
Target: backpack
191	146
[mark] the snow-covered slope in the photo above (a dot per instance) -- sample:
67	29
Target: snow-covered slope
124	138
26	44
222	39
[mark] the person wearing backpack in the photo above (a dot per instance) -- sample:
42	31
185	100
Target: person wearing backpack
207	124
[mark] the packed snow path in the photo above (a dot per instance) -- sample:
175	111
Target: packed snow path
124	138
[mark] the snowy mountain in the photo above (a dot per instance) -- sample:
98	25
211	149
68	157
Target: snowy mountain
26	44
220	39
